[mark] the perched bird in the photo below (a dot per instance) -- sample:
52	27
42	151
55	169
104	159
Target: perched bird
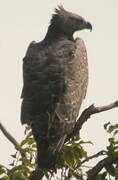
55	74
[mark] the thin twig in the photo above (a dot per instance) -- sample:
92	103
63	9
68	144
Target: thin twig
86	115
101	153
11	139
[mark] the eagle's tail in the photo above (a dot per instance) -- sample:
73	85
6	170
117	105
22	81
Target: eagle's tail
46	149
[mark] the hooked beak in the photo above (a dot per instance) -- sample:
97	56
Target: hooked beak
89	26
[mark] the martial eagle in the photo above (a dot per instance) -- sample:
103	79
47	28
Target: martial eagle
55	74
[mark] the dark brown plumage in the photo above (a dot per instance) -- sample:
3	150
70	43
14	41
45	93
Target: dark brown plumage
55	73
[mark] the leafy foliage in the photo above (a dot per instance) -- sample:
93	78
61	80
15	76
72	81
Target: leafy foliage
69	162
111	169
112	149
23	162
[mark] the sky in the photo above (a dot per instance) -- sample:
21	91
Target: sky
24	21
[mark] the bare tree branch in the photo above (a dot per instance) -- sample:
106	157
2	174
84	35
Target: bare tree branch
11	139
96	169
86	115
101	153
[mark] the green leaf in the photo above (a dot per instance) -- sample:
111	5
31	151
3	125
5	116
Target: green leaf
112	127
31	141
21	168
60	160
27	150
1	166
111	140
115	148
68	156
110	169
25	160
106	125
18	176
34	146
29	134
24	142
28	128
115	132
3	169
27	141
111	150
76	153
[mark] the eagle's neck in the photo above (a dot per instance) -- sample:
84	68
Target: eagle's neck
54	34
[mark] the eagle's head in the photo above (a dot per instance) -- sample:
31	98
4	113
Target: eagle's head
67	23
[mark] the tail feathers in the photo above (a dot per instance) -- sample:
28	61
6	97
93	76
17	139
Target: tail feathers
48	144
45	156
47	153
